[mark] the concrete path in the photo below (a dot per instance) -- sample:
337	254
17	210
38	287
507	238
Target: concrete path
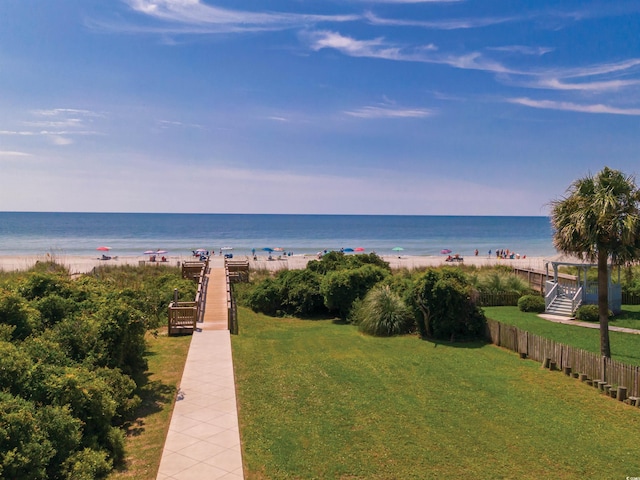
204	439
578	323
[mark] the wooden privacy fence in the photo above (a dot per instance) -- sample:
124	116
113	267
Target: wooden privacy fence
183	316
589	366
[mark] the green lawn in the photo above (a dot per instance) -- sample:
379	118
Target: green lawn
146	434
319	400
625	347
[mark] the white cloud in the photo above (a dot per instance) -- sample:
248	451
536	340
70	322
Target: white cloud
606	85
453	24
198	17
574	107
388	112
378	48
523	50
9	153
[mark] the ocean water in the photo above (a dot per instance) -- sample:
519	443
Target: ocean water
35	233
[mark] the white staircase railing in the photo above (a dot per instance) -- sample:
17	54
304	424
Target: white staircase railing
551	294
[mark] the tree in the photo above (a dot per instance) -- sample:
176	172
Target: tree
599	220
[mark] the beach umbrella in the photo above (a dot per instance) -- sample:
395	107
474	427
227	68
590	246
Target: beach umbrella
445	251
226	248
161	252
199	250
103	249
359	249
348	250
397	249
278	249
268	249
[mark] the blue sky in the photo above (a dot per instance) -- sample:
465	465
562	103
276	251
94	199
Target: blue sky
467	107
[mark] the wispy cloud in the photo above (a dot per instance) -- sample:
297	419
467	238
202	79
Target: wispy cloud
523	50
389	112
448	24
194	16
379	48
573	107
176	124
9	153
557	84
58	125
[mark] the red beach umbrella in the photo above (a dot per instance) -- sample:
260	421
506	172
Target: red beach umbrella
359	249
103	249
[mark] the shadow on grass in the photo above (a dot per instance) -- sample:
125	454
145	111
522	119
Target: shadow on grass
154	396
457	344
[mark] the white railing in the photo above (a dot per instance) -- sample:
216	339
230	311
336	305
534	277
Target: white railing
576	300
552	289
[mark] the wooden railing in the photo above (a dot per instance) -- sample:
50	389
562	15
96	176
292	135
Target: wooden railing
590	366
184	316
237	270
232	312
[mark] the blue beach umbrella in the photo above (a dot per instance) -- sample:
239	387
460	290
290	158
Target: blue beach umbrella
348	250
268	249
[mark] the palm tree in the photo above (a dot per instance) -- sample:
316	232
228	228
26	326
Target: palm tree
599	220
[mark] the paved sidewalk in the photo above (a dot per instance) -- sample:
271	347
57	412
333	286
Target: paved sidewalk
578	323
204	440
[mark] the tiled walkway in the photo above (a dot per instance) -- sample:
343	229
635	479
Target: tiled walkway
204	440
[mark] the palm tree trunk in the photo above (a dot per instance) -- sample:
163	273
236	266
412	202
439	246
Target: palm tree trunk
603	302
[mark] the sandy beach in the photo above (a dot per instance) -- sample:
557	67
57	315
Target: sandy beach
84	264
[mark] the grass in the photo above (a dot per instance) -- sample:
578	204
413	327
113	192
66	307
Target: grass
625	347
146	434
319	400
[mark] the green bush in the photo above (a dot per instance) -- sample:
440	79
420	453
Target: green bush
383	313
15	311
87	464
300	291
53	308
531	303
589	313
265	297
341	288
443	300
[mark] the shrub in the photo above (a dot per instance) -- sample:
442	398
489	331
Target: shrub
87	464
445	308
15	311
300	290
25	450
341	288
39	284
531	303
589	313
53	308
383	313
265	297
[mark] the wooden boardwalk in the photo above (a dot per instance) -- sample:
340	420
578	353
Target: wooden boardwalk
215	310
203	441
